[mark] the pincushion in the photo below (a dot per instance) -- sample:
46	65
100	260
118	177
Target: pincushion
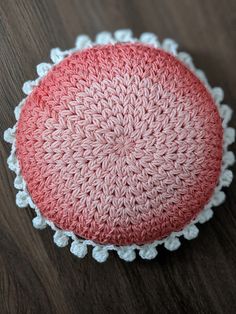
120	145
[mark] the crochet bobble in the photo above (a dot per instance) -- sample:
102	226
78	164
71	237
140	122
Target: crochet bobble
120	144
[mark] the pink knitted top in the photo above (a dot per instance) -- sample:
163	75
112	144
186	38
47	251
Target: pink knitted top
120	144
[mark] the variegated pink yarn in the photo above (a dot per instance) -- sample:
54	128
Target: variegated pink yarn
120	144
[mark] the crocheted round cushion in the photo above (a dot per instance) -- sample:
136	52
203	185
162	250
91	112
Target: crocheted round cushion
120	144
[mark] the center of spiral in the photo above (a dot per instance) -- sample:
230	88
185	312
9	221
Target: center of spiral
123	146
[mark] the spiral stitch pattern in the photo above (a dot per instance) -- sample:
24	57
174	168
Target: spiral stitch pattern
120	144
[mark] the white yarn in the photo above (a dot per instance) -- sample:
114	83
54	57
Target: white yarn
147	251
82	42
60	238
186	59
217	94
18	109
124	35
29	86
150	39
228	159
229	136
57	55
172	243
201	75
43	69
9	135
205	215
170	46
19	183
190	232
39	222
226	113
100	254
78	249
218	198
104	38
226	178
22	199
126	254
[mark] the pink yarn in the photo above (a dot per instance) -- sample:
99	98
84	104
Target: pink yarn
120	144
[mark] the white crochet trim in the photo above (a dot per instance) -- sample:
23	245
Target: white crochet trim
127	253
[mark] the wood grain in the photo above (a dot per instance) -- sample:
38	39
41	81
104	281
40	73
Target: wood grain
38	277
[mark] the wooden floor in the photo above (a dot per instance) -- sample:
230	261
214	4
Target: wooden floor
38	277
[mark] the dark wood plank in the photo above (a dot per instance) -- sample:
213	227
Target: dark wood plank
38	277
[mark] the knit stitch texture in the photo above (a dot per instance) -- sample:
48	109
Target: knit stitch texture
120	144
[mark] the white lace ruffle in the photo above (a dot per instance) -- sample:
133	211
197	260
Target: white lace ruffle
100	253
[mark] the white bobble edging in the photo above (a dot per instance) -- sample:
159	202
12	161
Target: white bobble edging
83	41
229	136
170	46
22	199
150	39
127	254
28	86
79	249
226	178
56	55
43	68
172	243
100	254
18	109
186	59
13	163
18	182
60	238
148	252
39	222
104	38
9	135
228	159
124	35
218	94
201	75
31	203
205	215
190	232
218	198
226	114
